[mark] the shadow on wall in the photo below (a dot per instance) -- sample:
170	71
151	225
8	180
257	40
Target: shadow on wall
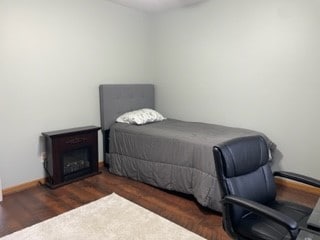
42	147
42	154
0	191
191	3
276	160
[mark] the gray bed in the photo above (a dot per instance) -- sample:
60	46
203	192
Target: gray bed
171	154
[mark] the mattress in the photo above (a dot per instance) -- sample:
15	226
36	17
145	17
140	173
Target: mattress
173	155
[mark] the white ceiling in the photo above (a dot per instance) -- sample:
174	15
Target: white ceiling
155	5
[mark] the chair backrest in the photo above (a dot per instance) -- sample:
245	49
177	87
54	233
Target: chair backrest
243	170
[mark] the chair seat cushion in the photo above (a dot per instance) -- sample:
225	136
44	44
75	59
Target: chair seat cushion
255	227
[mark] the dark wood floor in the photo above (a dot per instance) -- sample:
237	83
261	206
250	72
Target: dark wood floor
25	208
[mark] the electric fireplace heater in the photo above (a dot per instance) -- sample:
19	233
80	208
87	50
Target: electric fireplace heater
72	154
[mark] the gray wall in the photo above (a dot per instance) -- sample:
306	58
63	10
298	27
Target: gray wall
251	64
53	56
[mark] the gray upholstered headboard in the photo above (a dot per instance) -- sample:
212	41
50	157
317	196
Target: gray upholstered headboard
116	99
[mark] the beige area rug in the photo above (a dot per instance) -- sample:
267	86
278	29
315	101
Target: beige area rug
111	217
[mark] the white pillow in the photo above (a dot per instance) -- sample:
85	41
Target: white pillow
141	116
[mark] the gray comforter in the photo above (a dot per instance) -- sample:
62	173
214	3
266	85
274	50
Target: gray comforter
173	155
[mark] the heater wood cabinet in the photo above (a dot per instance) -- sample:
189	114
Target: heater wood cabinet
71	154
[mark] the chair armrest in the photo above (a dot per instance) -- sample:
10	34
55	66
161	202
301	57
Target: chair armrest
290	224
298	177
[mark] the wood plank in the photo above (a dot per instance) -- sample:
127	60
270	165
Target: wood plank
37	203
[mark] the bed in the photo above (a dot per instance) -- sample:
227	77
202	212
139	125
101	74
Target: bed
170	154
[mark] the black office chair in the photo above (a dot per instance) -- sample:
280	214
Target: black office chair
250	208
